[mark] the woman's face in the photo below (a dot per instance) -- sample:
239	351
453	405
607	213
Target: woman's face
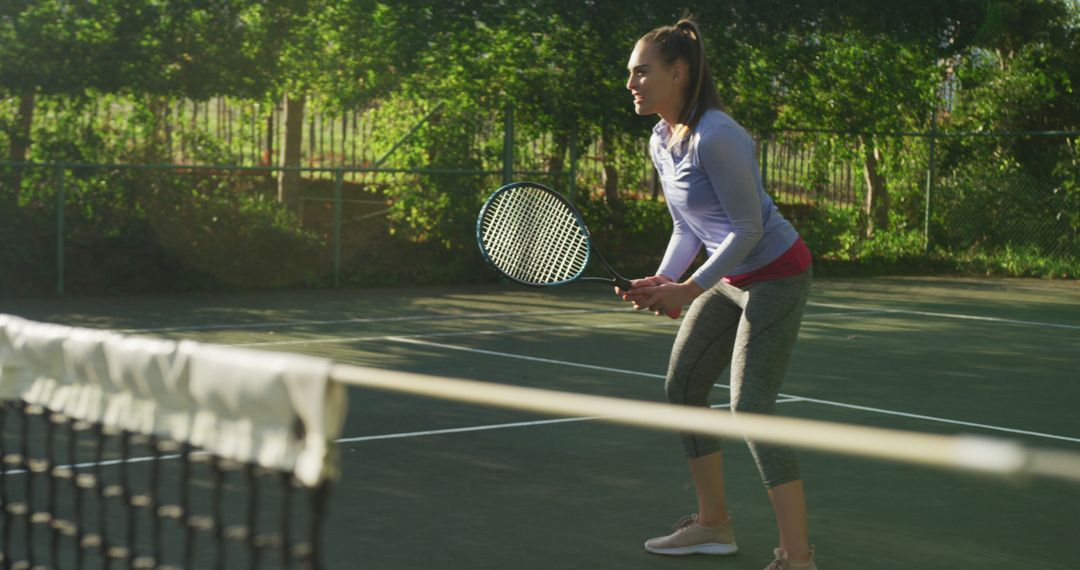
656	87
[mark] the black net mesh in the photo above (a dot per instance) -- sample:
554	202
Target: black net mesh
76	495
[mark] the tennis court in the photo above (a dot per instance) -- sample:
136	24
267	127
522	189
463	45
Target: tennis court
435	484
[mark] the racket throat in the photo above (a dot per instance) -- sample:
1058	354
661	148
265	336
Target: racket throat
616	279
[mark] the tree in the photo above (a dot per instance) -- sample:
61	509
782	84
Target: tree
47	47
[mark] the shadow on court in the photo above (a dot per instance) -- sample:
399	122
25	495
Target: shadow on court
434	484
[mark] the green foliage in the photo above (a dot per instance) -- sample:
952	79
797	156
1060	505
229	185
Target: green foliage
1017	262
236	236
847	66
27	246
632	234
891	247
439	208
1068	172
1030	90
56	46
69	139
143	230
982	210
831	232
987	224
839	82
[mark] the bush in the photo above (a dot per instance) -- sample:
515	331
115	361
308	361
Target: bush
135	231
632	235
233	235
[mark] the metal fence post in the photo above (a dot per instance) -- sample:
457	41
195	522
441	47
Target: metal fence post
508	144
60	202
571	183
337	226
929	184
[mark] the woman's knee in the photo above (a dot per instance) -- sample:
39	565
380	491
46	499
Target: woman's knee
759	405
679	393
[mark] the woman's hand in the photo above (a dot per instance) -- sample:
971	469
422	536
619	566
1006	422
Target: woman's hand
664	297
650	281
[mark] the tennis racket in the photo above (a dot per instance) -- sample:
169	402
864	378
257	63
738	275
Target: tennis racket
534	236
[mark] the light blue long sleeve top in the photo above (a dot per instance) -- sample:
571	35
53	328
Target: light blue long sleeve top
714	193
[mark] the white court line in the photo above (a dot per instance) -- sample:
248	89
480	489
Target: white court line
810	400
107	463
502	426
445	334
524	357
949	316
936	419
360	439
463	316
391	337
854	308
849	310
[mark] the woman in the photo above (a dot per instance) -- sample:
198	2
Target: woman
748	295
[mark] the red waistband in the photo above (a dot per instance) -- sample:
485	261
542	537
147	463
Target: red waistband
792	262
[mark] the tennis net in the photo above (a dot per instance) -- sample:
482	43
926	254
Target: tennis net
121	451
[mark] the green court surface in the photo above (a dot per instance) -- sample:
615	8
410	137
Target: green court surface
434	484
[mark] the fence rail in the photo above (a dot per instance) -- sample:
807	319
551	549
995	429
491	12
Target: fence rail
939	191
248	133
52	182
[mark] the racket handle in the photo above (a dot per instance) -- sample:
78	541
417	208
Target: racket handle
625	285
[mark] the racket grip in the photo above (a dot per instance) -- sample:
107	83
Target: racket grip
622	283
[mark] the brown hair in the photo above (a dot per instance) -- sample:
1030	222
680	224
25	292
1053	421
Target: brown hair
684	41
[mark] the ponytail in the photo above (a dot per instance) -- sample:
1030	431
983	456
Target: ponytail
684	42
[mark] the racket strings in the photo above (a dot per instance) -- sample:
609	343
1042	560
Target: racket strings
523	220
512	221
541	237
563	236
532	236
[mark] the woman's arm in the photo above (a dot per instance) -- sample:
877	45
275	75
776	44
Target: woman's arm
682	248
727	156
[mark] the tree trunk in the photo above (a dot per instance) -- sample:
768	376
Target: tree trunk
268	151
159	144
610	176
876	206
19	145
289	180
556	160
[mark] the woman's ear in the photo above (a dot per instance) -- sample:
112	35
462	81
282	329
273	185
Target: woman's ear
678	72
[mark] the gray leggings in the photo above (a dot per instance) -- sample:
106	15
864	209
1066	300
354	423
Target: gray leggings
752	329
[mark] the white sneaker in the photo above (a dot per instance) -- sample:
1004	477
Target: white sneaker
781	561
692	538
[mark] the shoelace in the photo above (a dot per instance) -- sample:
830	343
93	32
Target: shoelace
685	522
778	564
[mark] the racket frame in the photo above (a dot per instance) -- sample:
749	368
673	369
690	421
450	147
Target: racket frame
616	279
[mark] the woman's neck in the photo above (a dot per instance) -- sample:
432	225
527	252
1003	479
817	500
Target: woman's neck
672	114
671	118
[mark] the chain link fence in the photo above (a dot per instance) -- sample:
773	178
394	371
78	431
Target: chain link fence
1013	212
969	195
104	228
